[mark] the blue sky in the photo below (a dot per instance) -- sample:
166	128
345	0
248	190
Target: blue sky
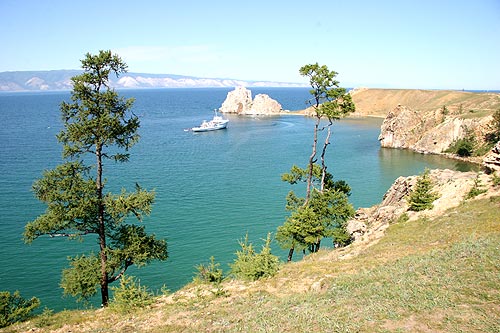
391	44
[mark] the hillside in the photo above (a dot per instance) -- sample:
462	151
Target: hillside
378	102
61	80
428	273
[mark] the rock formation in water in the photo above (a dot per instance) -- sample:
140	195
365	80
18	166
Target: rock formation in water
452	186
430	131
240	101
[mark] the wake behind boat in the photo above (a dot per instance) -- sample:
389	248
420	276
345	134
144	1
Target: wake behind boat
216	123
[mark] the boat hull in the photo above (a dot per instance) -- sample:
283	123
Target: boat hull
216	127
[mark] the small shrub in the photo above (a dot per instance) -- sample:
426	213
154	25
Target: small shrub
463	147
341	237
444	110
252	266
14	308
476	189
45	318
422	196
401	218
210	273
130	295
495	179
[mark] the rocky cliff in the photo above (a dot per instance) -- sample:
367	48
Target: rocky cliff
240	101
369	224
491	161
428	131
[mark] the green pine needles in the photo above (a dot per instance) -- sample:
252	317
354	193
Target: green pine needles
14	308
250	265
422	196
98	125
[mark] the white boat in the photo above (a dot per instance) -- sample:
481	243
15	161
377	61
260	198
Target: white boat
216	123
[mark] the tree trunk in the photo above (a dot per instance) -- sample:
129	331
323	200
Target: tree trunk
312	160
290	254
323	153
316	249
102	229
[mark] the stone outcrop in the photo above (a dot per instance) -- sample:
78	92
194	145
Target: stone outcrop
452	186
492	160
427	132
240	101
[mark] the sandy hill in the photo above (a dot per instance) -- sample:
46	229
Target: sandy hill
378	102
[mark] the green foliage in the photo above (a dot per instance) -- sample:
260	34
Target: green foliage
476	189
325	216
130	295
329	99
444	110
45	318
341	237
250	265
82	278
71	203
401	218
422	196
464	147
209	273
97	122
325	208
495	179
97	117
14	308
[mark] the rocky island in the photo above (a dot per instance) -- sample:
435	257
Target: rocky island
240	101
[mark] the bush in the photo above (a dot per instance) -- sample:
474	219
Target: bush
495	179
341	237
476	189
422	196
130	295
210	273
252	266
14	308
464	147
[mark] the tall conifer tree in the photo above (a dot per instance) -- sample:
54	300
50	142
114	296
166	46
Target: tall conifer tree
325	207
97	122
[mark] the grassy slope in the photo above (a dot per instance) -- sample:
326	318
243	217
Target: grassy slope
378	102
440	275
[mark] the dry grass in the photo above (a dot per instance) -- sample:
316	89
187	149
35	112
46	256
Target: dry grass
378	102
439	275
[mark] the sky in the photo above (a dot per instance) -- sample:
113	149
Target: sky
422	44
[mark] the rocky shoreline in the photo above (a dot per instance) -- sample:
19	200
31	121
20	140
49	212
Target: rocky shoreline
424	127
369	224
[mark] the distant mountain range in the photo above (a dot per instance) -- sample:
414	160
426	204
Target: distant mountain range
61	80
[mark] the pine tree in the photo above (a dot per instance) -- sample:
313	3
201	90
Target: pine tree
325	206
97	123
422	196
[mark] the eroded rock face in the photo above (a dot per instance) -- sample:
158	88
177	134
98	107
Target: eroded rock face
237	101
492	160
240	101
452	186
427	132
263	104
400	128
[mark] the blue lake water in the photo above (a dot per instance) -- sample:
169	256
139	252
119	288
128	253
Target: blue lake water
211	188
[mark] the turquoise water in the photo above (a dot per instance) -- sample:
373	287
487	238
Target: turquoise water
211	188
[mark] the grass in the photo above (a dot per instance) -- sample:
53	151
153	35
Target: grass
440	275
378	102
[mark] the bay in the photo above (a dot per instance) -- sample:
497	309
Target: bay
211	188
